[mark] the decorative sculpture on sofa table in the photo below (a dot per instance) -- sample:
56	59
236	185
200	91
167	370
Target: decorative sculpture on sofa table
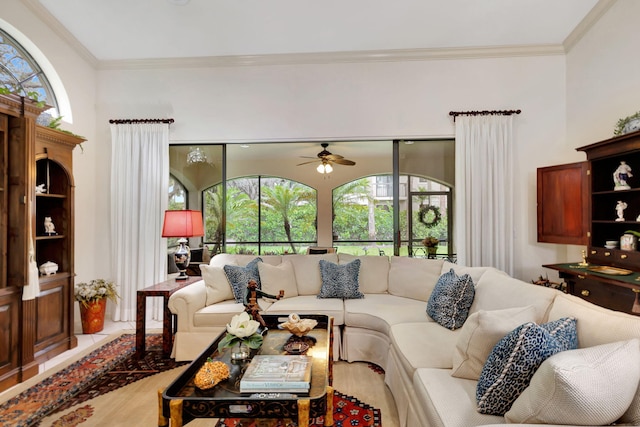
251	301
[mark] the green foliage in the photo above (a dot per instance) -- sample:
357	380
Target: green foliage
623	122
55	123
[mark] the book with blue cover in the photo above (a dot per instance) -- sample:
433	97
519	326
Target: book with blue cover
277	373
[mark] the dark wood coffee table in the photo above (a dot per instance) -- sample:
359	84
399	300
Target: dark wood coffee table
182	401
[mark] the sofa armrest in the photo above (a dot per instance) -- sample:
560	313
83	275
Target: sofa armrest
185	302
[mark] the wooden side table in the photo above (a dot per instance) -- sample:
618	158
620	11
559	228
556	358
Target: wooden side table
164	290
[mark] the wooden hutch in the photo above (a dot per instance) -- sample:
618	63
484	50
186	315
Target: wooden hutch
34	330
577	205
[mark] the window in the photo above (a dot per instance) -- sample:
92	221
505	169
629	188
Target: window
264	215
363	215
20	74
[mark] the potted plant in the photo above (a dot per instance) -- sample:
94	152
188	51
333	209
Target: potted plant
628	124
431	243
92	297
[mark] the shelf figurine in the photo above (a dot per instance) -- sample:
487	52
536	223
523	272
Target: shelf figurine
40	189
620	207
621	175
49	227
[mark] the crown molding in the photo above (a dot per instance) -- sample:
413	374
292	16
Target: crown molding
394	55
585	25
43	14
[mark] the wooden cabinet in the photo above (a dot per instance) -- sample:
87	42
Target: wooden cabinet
604	158
35	329
17	133
563	204
54	204
606	224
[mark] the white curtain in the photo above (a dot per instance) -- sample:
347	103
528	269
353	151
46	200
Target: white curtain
139	188
484	191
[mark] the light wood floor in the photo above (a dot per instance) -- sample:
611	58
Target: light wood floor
358	380
355	379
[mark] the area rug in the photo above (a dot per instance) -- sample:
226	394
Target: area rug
105	369
347	412
110	386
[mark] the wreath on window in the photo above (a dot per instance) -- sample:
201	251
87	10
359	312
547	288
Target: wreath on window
429	215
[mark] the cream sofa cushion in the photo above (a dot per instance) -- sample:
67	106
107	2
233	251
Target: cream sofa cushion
449	401
413	278
480	333
244	259
307	271
221	260
475	272
217	284
423	345
596	325
278	277
589	386
379	311
374	272
496	291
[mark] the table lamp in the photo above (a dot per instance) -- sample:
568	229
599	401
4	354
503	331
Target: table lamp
182	224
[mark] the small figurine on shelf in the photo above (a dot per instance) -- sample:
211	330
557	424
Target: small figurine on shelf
621	175
620	207
40	189
584	262
49	227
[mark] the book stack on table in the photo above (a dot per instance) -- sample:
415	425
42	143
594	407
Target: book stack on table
277	373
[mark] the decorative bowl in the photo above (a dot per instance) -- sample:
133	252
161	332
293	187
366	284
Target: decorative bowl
297	326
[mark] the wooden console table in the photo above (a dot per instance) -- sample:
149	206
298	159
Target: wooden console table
621	293
164	290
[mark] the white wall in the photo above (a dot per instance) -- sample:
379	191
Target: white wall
603	75
346	101
353	101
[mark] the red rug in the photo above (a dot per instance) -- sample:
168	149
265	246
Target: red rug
347	412
108	368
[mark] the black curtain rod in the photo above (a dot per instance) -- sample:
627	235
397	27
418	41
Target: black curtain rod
483	113
129	121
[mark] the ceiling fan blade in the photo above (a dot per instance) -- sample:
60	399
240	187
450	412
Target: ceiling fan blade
332	157
308	157
344	162
306	163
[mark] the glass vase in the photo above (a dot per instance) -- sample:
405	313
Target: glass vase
240	351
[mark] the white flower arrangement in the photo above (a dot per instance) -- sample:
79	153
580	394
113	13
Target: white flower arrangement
242	328
94	291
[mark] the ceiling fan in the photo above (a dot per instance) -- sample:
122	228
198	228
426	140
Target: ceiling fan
326	160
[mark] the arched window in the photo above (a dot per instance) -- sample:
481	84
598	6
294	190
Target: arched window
21	74
363	216
262	215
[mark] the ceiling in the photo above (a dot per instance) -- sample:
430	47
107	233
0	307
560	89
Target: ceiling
134	30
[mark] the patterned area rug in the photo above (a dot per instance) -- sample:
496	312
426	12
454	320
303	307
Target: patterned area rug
108	368
347	412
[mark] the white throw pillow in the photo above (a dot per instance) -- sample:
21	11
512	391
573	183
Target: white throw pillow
588	386
480	333
277	277
216	283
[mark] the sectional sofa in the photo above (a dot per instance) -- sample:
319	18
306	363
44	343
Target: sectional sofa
580	362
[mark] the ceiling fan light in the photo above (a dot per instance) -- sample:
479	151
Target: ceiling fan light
324	168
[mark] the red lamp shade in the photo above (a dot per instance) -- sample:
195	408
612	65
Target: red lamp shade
185	223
